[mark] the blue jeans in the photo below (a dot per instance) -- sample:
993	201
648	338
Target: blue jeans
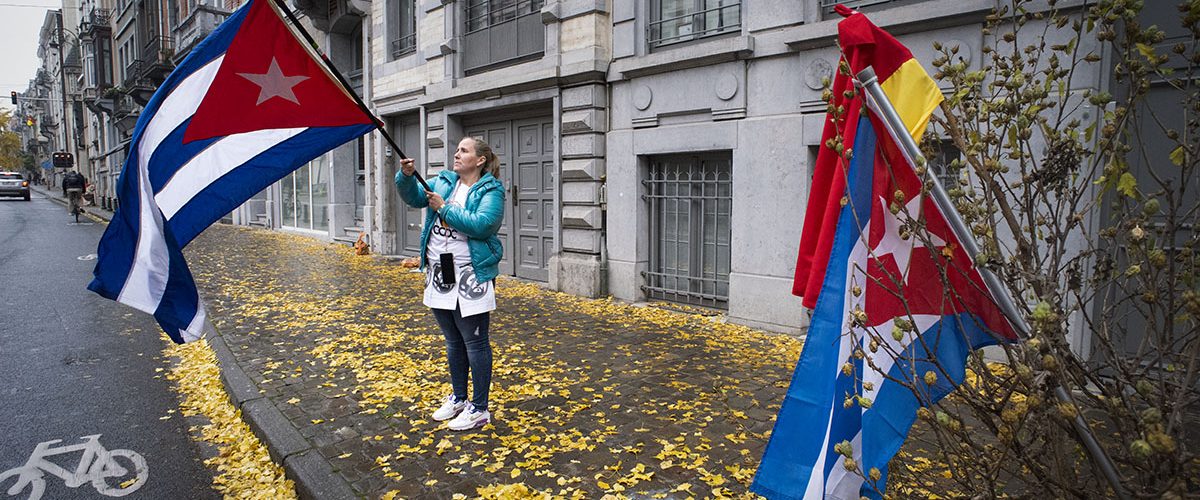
467	348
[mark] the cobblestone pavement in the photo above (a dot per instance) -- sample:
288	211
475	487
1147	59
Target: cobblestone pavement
590	397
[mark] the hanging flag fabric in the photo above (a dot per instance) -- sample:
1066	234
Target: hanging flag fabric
914	95
248	105
884	315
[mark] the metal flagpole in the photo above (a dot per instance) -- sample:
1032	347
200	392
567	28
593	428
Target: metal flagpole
346	85
879	102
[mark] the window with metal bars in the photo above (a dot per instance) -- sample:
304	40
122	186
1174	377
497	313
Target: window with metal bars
691	200
674	21
404	28
827	6
502	31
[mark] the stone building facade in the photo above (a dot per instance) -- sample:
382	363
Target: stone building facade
716	119
528	77
652	149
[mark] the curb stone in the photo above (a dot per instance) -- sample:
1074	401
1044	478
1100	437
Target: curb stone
314	476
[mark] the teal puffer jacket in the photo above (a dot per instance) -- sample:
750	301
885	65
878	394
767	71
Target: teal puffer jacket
479	219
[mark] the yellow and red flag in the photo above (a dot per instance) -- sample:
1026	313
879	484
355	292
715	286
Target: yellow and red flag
915	96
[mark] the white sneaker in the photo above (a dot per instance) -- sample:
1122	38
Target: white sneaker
470	419
449	409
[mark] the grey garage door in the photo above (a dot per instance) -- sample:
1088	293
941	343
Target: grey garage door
526	150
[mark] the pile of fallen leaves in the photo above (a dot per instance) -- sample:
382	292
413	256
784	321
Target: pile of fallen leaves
591	398
244	468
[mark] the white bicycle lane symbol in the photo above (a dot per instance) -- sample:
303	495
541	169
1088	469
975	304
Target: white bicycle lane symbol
113	473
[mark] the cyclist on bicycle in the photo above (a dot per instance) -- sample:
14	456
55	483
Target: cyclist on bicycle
73	184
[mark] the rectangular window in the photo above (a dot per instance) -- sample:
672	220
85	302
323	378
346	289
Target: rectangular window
360	179
287	195
691	200
104	73
674	21
941	158
502	31
305	196
319	182
404	38
173	13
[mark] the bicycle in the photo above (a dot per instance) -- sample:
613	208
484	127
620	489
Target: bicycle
73	196
97	465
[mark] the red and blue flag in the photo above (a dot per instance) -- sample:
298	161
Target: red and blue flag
251	103
894	293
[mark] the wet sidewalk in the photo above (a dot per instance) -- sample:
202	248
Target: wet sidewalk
54	193
589	397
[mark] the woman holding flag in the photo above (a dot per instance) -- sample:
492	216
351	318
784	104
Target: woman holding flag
460	256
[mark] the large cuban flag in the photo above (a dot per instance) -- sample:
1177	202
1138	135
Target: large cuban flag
250	104
885	313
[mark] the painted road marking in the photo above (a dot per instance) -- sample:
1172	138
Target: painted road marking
113	473
90	256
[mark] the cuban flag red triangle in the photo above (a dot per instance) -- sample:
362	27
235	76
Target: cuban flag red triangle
270	80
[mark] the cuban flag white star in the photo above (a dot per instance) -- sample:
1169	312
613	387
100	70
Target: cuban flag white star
274	83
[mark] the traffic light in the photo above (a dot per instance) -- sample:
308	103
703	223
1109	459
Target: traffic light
63	159
29	121
14	97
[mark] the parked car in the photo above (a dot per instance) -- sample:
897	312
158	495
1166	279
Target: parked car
14	184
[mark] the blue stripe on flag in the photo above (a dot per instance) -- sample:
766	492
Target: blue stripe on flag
179	306
172	153
894	411
208	49
114	253
181	300
800	428
232	189
118	247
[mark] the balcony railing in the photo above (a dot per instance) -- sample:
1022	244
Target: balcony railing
97	19
827	5
481	14
695	25
156	48
132	72
502	33
404	45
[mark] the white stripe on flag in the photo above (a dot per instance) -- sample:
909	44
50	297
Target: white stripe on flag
214	162
843	484
147	280
180	105
890	347
195	330
855	274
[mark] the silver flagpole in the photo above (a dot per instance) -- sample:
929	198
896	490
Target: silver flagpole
882	106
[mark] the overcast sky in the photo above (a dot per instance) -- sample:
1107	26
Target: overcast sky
20	22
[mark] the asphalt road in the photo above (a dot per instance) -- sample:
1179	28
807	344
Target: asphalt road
73	364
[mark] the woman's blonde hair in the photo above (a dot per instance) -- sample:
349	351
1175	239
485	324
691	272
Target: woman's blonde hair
491	161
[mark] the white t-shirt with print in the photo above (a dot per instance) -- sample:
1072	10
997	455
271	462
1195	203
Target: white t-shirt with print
466	293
